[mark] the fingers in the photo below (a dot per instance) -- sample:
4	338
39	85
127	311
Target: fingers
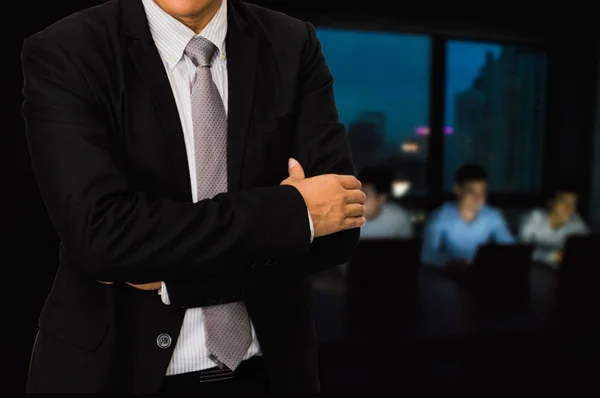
355	210
146	286
105	283
355	196
349	182
353	222
295	169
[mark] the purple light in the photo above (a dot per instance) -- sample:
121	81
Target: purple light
424	130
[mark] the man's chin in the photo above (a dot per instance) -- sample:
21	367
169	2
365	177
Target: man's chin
473	209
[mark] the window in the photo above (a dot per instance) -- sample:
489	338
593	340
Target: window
382	93
495	114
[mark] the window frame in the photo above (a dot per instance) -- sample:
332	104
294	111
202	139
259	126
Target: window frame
440	37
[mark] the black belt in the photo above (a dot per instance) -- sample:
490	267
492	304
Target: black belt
247	368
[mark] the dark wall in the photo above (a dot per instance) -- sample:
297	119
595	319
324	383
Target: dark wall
595	180
573	71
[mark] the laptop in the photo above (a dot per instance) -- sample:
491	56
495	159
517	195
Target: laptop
581	257
493	256
502	271
384	261
578	277
382	278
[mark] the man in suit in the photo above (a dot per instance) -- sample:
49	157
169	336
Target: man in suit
190	156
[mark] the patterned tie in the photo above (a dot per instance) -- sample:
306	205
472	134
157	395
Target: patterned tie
226	326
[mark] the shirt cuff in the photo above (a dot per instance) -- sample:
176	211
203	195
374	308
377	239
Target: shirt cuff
312	227
163	294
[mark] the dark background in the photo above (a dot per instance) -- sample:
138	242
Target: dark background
566	31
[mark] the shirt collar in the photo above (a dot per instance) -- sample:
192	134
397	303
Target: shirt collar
171	36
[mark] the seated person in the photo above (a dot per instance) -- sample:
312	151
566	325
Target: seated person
384	219
455	231
548	229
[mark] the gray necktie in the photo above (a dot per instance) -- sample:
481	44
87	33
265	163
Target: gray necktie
226	326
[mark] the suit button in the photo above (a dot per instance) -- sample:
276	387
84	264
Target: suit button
163	341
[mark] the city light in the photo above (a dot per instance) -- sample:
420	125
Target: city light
422	130
425	130
400	188
410	147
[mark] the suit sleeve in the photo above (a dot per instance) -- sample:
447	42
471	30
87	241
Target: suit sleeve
116	233
321	147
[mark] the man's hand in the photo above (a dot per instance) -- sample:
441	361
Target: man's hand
143	286
335	202
147	286
557	256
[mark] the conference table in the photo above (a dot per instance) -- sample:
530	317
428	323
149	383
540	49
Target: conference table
443	309
442	323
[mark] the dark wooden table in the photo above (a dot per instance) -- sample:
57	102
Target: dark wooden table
444	325
443	309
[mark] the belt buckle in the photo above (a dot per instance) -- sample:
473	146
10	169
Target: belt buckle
216	374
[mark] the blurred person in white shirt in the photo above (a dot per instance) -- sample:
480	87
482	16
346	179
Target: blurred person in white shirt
384	218
548	229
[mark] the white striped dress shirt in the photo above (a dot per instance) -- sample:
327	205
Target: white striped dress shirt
171	38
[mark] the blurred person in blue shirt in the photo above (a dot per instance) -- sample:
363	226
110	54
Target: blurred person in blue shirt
455	231
384	219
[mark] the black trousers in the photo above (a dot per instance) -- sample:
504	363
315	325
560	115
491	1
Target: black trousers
248	378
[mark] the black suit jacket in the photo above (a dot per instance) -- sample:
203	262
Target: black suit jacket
107	149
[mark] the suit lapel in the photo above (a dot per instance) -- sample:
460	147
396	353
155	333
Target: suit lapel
241	69
241	49
147	61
